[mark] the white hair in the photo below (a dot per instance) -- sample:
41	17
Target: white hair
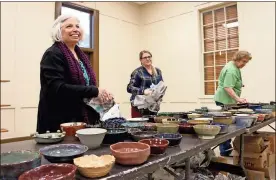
56	28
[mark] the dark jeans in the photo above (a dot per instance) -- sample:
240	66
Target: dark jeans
224	147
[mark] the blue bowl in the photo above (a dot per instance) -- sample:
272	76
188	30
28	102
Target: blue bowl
223	128
174	139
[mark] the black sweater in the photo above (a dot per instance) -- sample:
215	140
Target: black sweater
61	101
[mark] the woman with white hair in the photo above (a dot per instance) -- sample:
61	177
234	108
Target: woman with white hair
66	78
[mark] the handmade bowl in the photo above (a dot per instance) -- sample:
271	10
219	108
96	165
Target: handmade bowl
167	128
48	138
130	153
159	119
157	145
141	119
63	153
150	127
14	163
264	111
185	128
113	123
172	120
214	109
223	120
133	125
72	127
113	136
93	166
91	137
195	122
245	121
194	115
223	128
206	131
137	136
51	171
174	139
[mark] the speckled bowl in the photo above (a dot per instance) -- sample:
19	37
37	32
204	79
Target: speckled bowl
51	171
63	153
157	146
137	136
130	153
206	131
174	139
14	163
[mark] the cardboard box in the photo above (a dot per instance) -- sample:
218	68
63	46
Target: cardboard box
253	144
255	175
269	172
252	160
268	136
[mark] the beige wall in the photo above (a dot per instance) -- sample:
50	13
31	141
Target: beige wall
169	29
25	35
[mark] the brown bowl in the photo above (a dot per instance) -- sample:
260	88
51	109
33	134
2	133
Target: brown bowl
157	145
71	127
51	171
130	153
159	119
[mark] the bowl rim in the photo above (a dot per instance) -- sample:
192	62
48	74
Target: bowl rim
140	150
177	138
91	133
72	167
83	148
22	162
113	159
210	125
152	139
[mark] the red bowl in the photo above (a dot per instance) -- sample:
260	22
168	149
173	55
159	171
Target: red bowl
71	128
51	171
186	128
157	146
130	153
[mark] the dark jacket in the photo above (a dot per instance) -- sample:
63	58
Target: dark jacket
61	101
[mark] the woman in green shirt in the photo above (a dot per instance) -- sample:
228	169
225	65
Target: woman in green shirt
229	88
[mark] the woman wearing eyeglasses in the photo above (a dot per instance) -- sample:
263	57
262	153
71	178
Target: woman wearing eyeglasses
229	88
140	81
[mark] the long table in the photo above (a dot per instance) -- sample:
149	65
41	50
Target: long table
189	146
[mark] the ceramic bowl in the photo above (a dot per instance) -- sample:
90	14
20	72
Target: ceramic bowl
194	115
113	136
223	120
174	139
51	171
63	153
137	136
48	138
133	125
157	145
113	123
195	122
185	128
264	111
206	131
223	128
167	128
159	119
245	121
130	153
93	166
72	127
14	163
150	127
171	120
214	109
141	119
91	137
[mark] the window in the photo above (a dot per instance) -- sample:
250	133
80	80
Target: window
89	20
220	41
